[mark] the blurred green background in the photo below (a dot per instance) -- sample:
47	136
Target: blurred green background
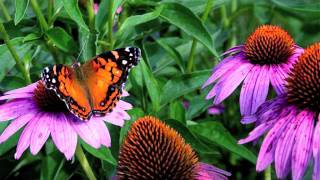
162	84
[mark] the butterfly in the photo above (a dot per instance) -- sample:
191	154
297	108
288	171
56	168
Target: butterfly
94	88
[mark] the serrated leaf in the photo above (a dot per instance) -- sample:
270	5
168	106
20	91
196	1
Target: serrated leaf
217	134
21	8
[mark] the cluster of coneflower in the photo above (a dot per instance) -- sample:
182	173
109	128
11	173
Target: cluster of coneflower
152	150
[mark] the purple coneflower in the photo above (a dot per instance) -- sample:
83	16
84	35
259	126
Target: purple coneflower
291	121
42	114
153	150
265	58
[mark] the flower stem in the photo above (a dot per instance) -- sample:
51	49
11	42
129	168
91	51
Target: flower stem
194	41
4	11
110	24
267	173
84	162
14	54
90	11
37	11
50	11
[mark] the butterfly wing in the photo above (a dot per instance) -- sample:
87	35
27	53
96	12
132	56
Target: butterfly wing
68	87
107	74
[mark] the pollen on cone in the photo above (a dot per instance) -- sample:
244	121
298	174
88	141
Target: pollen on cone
303	83
269	44
153	150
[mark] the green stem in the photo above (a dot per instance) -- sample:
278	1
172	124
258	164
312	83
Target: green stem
50	11
4	11
84	162
267	173
194	41
110	24
14	54
37	11
90	11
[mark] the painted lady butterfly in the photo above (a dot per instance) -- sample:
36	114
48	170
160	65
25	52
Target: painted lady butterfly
95	87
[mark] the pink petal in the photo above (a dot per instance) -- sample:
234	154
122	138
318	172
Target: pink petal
28	89
208	172
15	125
302	148
114	118
248	119
266	153
40	132
247	91
16	96
233	50
125	93
261	89
278	79
63	135
284	147
87	131
104	134
222	68
227	85
15	108
124	105
25	137
316	150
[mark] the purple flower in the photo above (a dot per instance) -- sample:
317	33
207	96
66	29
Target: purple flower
152	146
265	58
291	121
41	113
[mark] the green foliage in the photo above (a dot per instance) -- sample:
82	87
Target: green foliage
160	85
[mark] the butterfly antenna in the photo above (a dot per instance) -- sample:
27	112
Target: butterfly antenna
82	48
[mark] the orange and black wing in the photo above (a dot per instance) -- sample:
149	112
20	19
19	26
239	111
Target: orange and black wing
106	75
64	81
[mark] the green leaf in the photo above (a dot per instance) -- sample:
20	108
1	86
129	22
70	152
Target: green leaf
6	60
177	111
21	8
217	134
189	136
101	153
31	37
11	142
87	44
182	85
312	6
151	85
61	39
173	53
72	8
186	20
102	16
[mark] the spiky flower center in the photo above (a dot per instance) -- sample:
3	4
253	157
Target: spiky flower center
153	150
303	84
47	100
269	45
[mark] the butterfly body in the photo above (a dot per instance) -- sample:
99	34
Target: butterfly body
95	87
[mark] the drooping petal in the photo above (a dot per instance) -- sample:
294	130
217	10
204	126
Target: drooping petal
316	151
114	118
277	79
28	89
25	137
233	50
40	132
247	91
228	84
63	135
266	153
124	105
284	147
207	171
103	131
86	130
15	108
302	148
222	68
261	88
15	125
248	119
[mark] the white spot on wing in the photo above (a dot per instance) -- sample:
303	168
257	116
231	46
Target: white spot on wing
127	49
124	62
